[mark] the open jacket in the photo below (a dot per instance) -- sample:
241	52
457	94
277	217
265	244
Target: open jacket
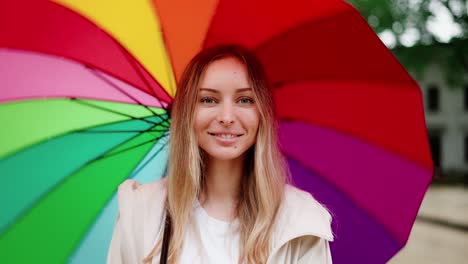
301	233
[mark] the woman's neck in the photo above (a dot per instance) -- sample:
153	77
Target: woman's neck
222	185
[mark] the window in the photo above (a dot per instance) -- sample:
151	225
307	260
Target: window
433	98
434	143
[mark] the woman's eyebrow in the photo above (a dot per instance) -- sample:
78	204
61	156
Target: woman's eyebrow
217	91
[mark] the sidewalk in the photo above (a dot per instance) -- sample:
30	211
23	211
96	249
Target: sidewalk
440	234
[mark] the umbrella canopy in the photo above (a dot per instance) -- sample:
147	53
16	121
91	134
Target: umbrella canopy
84	92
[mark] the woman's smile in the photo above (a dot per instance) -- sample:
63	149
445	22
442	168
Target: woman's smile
226	139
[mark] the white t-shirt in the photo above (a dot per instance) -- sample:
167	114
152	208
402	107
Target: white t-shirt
219	240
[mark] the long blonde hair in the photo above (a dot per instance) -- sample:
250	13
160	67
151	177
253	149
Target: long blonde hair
266	172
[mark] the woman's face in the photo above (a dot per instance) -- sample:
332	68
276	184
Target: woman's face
226	115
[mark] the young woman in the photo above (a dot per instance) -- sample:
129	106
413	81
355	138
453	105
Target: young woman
226	193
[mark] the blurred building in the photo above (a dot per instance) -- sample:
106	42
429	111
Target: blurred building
446	110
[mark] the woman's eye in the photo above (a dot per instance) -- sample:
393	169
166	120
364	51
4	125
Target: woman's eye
246	100
207	100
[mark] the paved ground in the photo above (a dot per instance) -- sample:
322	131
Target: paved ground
440	234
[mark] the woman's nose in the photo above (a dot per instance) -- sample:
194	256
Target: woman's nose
226	114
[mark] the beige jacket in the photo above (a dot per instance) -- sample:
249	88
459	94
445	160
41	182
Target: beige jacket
301	234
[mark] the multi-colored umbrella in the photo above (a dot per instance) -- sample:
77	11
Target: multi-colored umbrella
85	86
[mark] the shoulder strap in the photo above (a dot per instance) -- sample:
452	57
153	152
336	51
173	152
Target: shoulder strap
166	238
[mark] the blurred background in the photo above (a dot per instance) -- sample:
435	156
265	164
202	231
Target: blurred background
430	39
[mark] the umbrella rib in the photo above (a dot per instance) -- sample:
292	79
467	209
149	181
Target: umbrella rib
148	161
97	74
129	148
138	71
110	110
88	130
119	131
117	146
102	156
130	60
162	123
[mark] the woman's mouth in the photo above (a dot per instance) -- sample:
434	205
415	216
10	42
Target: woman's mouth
225	138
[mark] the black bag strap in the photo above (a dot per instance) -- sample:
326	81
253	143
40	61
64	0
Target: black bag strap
166	238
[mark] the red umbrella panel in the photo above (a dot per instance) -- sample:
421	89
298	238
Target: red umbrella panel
351	118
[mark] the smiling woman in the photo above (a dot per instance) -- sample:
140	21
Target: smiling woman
226	198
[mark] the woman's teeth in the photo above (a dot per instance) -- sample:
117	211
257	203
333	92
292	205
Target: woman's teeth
225	135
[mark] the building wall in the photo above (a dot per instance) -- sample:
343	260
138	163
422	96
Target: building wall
449	122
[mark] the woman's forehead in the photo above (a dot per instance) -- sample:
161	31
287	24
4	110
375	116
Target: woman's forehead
239	90
225	74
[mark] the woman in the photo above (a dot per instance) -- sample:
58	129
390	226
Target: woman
226	191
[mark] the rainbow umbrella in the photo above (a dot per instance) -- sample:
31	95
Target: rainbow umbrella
85	86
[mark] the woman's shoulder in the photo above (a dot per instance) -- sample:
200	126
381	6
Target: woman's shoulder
138	198
132	188
302	213
300	200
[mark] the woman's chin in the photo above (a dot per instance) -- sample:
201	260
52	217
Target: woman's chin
225	155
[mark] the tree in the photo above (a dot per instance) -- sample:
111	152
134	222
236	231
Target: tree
402	17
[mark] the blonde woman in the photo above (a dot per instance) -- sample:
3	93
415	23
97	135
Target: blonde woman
226	198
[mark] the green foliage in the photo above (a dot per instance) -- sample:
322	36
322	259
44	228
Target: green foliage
452	58
398	16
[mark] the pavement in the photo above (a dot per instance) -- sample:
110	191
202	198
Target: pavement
440	233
